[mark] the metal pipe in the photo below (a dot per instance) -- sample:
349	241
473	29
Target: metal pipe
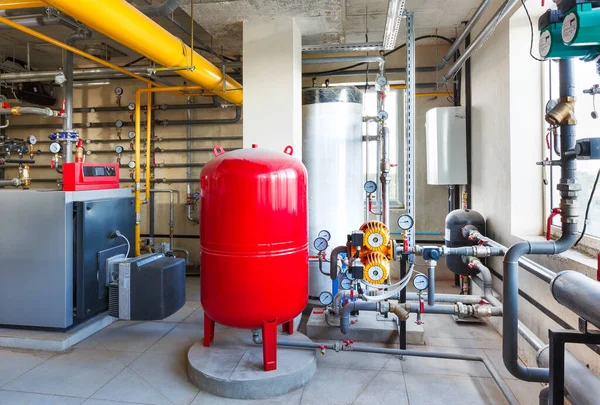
385	172
347	59
171	211
351	307
19	4
164	9
431	286
189	201
463	35
158	139
568	188
333	258
340	346
10	183
364	72
446	309
446	298
582	384
579	293
234	120
125	24
161	107
51	74
46	112
485	33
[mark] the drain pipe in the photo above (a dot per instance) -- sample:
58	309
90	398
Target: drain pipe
569	189
341	346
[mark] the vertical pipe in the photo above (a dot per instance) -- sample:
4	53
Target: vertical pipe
468	117
188	186
402	331
410	121
152	207
385	176
138	129
148	141
67	151
431	288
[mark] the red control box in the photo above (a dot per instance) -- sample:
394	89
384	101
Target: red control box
90	176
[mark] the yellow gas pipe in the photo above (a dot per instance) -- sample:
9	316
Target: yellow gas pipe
15	4
138	129
124	23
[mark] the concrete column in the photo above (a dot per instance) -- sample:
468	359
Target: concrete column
273	85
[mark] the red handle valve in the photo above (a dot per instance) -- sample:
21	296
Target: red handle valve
405	245
555	212
52	164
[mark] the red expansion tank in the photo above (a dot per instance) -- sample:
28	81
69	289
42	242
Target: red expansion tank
253	243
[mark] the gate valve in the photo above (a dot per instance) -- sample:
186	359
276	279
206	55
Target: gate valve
52	164
405	245
483	302
421	311
62	110
555	212
322	348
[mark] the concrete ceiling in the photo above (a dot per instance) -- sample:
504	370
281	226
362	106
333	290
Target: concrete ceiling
327	21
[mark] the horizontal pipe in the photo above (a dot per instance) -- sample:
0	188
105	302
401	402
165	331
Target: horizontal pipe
363	72
160	107
452	298
157	139
337	346
124	166
579	293
10	183
163	236
154	180
155	150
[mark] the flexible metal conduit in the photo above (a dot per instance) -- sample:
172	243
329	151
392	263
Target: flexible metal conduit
235	120
125	24
413	353
568	189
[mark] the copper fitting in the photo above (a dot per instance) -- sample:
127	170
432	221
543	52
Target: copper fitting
562	113
15	111
401	311
25	177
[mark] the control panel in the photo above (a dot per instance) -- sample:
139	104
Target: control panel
90	176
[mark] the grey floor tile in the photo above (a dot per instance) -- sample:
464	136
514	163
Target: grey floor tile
452	390
204	398
526	392
179	340
78	373
105	402
495	355
184	312
195	317
14	362
129	387
166	374
192	289
127	336
394	363
412	364
353	360
468	343
336	386
443	326
386	388
27	398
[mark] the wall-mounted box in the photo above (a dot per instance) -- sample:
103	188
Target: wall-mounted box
446	134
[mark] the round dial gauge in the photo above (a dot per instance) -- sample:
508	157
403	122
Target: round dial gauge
421	282
131	106
325	235
405	222
119	149
32	139
118	91
131	164
370	186
119	123
382	115
320	244
54	147
550	105
131	134
381	80
346	283
325	298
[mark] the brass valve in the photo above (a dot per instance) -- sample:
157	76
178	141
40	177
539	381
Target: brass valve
562	113
25	176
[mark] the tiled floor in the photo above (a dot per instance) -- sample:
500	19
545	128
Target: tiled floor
144	363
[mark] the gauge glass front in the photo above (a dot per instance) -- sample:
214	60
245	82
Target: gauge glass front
320	244
370	186
405	222
325	298
325	235
421	282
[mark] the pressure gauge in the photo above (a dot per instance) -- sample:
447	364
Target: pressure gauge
54	147
118	91
550	105
383	115
320	244
131	164
131	134
325	298
346	283
119	149
405	222
370	187
421	282
381	80
131	106
119	123
325	235
32	140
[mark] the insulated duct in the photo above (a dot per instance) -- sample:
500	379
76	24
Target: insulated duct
127	25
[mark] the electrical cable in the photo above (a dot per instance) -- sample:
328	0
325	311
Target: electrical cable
587	209
385	54
120	235
133	62
531	29
389	294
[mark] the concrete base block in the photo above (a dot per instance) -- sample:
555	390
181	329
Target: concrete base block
370	327
53	341
233	366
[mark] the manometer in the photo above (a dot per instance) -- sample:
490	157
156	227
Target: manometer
325	298
131	106
54	147
550	105
131	134
405	222
346	283
32	140
119	149
381	80
382	115
119	123
131	164
370	186
320	244
325	235
118	91
421	282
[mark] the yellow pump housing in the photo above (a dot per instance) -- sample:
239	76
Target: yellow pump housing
376	252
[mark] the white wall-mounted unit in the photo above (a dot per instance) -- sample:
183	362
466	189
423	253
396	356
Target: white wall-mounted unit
446	146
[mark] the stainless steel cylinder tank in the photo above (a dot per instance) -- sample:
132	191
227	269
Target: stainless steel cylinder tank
332	152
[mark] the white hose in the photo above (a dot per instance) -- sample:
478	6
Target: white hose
403	284
120	235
